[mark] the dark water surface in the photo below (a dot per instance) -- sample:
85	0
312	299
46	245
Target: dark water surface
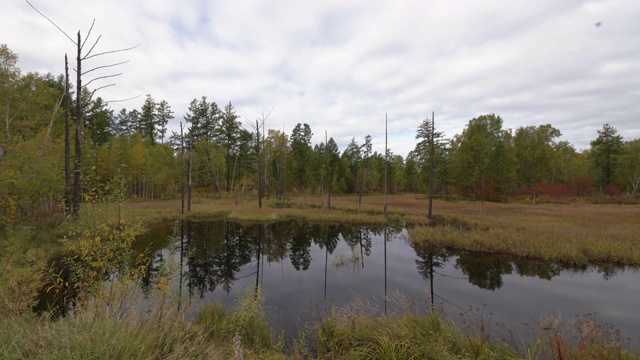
303	269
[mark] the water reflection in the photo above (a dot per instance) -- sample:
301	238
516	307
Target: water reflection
213	253
299	265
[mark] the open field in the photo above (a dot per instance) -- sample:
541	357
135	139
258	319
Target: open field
575	233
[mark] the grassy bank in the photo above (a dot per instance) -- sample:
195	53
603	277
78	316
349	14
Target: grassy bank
573	233
352	332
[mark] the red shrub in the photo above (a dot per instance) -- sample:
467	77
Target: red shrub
581	187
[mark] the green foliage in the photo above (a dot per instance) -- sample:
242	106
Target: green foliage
534	150
21	268
148	120
30	179
473	149
629	162
203	118
301	154
98	120
164	114
421	155
604	151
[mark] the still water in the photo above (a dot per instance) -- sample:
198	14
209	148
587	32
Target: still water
303	269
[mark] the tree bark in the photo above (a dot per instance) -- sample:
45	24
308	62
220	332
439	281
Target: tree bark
77	185
68	194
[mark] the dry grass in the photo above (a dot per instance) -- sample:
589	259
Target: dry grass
575	233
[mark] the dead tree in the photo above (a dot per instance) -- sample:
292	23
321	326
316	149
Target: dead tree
68	202
431	165
386	165
259	126
82	56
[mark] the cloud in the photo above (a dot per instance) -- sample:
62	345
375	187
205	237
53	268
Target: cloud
341	65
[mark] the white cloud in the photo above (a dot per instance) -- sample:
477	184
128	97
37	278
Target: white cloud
341	65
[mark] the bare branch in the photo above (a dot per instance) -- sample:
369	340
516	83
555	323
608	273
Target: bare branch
121	100
105	66
101	87
99	78
54	24
110	52
88	34
264	118
94	45
55	111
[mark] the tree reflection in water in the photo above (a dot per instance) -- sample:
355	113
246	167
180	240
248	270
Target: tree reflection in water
216	260
214	253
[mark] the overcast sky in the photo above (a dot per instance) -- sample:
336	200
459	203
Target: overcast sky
341	65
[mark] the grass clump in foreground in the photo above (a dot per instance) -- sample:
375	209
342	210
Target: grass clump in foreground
94	331
352	333
97	331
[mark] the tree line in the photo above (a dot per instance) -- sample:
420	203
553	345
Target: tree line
215	155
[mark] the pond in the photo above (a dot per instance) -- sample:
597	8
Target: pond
303	269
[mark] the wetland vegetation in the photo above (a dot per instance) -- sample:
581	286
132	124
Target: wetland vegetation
354	329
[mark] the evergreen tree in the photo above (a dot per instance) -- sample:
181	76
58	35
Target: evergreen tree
148	120
301	153
123	124
203	119
604	150
164	114
230	136
98	119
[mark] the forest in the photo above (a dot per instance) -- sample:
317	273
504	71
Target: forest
215	155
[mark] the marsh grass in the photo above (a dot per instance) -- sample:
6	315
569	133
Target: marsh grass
578	233
119	323
106	325
585	337
575	233
245	326
355	332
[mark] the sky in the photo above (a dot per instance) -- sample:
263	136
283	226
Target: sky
343	66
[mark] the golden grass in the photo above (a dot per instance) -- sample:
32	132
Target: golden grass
575	233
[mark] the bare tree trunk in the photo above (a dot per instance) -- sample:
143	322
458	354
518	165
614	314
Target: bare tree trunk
190	171
258	163
386	164
431	172
68	194
235	164
6	120
55	112
77	185
360	191
326	161
182	167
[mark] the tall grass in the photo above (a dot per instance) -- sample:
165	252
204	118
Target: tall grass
94	331
353	333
